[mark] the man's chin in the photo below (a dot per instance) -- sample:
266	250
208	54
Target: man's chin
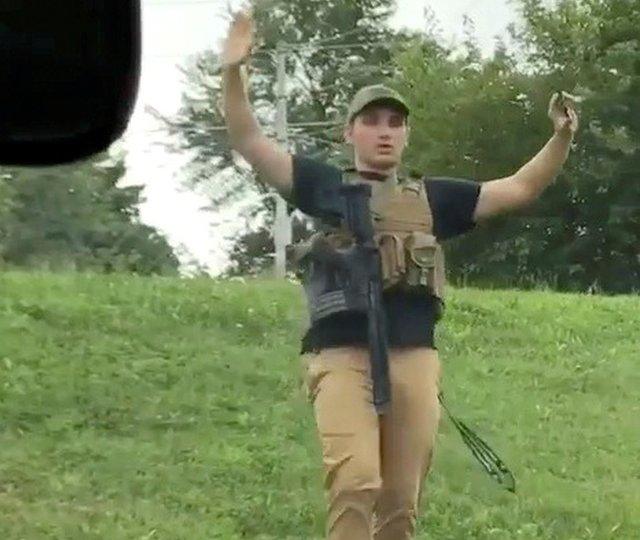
384	162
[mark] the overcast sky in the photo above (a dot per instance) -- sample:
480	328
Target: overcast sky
175	29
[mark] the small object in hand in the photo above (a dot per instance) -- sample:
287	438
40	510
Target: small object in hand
562	111
566	99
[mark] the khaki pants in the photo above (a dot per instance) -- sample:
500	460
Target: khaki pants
374	466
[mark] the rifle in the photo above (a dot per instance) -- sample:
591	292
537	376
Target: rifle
361	265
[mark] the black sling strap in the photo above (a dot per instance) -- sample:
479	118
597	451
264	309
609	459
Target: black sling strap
489	460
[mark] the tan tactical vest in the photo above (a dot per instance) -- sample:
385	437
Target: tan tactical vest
411	257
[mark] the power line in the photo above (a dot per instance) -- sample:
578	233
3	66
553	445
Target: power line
267	52
310	45
339	36
316	139
315	124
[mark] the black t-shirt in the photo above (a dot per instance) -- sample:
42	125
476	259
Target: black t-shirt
411	319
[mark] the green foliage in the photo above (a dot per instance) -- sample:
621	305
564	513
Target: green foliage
456	101
77	217
323	68
484	119
334	48
174	409
471	117
252	254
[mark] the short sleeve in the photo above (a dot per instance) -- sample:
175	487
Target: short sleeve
310	178
453	202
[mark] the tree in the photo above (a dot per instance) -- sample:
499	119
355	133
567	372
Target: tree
76	217
483	119
335	47
594	47
474	118
253	251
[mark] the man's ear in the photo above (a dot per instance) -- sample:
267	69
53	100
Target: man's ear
348	133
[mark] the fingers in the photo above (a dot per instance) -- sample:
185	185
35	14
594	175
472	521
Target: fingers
562	111
561	100
243	24
569	108
557	106
243	15
573	117
237	44
553	103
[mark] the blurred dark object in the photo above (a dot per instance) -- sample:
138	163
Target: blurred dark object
69	73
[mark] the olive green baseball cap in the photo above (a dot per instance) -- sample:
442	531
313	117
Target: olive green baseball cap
374	94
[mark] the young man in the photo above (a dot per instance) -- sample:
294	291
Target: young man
374	463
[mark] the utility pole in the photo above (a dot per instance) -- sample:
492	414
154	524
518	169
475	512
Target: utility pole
282	225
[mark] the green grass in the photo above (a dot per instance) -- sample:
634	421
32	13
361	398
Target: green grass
173	409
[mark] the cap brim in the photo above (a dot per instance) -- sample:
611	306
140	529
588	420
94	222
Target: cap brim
389	101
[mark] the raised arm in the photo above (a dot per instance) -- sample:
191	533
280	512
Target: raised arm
272	163
525	186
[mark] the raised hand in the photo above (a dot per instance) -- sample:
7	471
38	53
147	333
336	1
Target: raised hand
562	112
237	45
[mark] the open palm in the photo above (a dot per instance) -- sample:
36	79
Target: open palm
237	45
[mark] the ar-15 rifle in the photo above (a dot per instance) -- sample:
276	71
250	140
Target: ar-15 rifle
361	265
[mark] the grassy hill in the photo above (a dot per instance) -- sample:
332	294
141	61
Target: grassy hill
171	409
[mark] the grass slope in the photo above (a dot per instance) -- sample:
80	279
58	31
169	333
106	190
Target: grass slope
164	408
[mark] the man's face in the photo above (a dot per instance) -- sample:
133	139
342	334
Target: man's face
378	135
